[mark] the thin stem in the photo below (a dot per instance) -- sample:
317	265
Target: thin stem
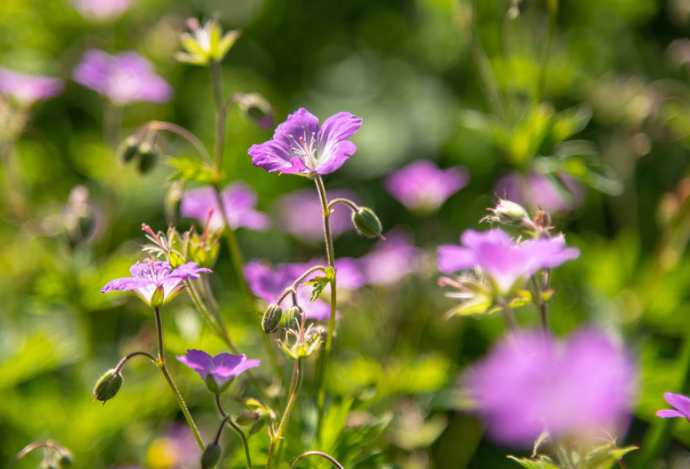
622	464
552	6
216	80
330	458
509	317
240	433
321	396
161	365
29	448
293	287
341	200
131	355
184	133
294	391
542	306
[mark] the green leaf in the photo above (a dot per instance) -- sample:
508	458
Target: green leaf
191	169
320	283
603	457
570	121
542	463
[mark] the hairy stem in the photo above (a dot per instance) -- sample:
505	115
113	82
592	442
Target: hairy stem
294	391
131	355
330	458
185	134
240	433
164	370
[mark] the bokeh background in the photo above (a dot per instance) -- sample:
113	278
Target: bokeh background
495	86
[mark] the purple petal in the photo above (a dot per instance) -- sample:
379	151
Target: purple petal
453	258
125	284
198	203
666	414
301	123
272	156
224	364
239	201
391	260
335	155
188	270
679	401
92	71
340	126
348	274
199	361
27	89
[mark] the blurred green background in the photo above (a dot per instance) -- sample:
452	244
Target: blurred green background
417	72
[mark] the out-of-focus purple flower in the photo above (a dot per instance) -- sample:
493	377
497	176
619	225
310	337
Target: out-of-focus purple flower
123	78
536	190
175	448
239	203
391	259
27	89
502	260
101	10
268	283
300	146
300	214
528	384
680	402
422	187
153	281
219	370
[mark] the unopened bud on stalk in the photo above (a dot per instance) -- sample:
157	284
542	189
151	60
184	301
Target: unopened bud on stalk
158	297
211	456
271	319
292	317
148	158
65	459
107	386
367	223
131	149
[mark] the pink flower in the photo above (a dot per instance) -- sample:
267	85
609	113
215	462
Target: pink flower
680	402
422	187
124	78
301	146
391	260
218	371
529	384
536	190
101	9
28	89
503	261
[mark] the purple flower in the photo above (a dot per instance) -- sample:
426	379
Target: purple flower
27	89
422	187
300	214
153	281
239	202
536	190
680	402
502	260
528	384
123	78
217	371
101	9
300	146
391	260
268	283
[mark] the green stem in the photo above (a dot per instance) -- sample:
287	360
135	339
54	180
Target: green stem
164	370
216	80
509	317
184	133
131	355
29	448
539	300
330	458
321	399
240	433
294	391
552	6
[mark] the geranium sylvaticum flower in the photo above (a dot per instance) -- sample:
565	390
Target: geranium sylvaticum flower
680	402
391	259
529	384
500	259
218	371
301	146
27	89
239	203
422	187
123	78
154	282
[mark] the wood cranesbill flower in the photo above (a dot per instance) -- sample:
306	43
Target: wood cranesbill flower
218	371
28	89
422	187
154	282
529	384
123	78
501	260
301	146
239	203
680	402
391	260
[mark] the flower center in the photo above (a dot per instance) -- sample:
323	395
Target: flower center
306	149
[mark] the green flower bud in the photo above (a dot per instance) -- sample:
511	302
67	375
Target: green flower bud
158	297
367	223
65	460
211	456
271	318
107	386
148	158
131	149
292	317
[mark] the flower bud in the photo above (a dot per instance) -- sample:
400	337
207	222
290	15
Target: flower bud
271	319
204	249
65	460
367	223
292	317
148	158
158	297
107	386
131	149
211	456
256	108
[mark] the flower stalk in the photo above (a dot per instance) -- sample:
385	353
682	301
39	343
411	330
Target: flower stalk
277	435
227	419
